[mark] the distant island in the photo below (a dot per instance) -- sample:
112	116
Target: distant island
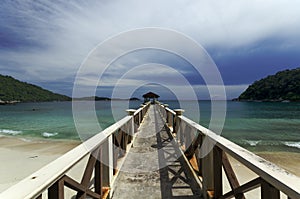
96	98
283	86
14	91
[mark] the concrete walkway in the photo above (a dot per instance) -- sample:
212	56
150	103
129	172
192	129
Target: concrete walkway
154	167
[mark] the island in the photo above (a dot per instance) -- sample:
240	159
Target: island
283	86
97	98
13	91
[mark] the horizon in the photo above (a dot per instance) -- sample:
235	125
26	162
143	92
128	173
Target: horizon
45	42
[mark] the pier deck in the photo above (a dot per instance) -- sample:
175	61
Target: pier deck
156	152
154	166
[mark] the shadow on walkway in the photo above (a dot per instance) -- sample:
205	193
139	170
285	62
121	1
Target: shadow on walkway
176	178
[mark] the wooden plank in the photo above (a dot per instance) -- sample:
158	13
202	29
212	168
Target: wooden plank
115	159
194	163
122	133
207	171
56	191
98	174
197	154
117	137
106	192
193	147
124	142
269	191
107	161
270	172
72	184
87	175
232	179
217	166
39	197
253	184
188	136
180	131
131	131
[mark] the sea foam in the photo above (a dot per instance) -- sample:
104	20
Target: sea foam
292	144
252	142
10	132
47	135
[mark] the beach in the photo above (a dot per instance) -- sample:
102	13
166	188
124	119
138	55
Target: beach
21	157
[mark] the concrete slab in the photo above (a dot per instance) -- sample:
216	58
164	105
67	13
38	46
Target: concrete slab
153	167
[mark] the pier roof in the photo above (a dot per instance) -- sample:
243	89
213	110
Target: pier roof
150	95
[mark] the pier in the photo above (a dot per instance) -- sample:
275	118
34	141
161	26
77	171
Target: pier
156	152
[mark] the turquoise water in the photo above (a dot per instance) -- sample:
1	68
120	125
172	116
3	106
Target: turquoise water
53	120
257	126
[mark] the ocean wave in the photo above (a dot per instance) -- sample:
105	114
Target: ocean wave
292	144
25	139
10	132
252	142
30	140
47	135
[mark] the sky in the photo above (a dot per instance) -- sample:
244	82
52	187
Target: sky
45	42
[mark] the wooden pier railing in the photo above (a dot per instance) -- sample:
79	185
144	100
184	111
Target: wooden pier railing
207	153
104	153
272	181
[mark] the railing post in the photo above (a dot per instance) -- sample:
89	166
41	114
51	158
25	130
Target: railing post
39	197
56	191
141	114
177	128
131	128
99	174
269	191
130	112
169	119
107	161
198	155
207	169
218	183
164	112
188	136
178	112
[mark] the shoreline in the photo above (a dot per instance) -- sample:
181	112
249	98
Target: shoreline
289	161
20	157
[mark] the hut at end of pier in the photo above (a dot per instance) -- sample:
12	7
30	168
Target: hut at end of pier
150	96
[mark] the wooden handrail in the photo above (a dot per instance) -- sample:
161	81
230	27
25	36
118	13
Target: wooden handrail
35	184
278	177
270	173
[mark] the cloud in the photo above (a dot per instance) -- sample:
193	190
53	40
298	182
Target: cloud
48	40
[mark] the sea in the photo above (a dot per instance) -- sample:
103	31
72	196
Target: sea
256	126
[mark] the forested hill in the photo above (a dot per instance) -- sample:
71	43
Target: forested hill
15	90
284	85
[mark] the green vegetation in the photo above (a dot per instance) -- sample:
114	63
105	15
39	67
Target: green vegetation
15	90
96	98
284	85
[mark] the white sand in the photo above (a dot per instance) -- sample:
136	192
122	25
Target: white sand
20	158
